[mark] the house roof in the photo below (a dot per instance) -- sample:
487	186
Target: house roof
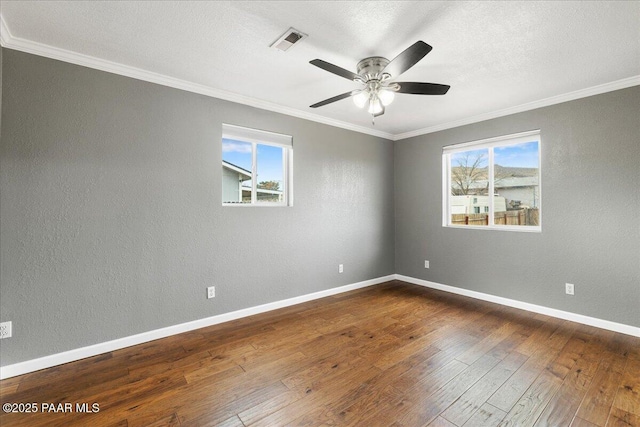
236	168
510	182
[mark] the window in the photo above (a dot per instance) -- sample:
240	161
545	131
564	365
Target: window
256	167
493	183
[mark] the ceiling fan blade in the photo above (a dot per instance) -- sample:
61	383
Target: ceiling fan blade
334	69
407	59
418	88
380	113
334	99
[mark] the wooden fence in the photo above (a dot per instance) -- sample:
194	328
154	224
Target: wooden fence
516	217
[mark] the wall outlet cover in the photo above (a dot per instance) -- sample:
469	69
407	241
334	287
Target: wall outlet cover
5	330
569	288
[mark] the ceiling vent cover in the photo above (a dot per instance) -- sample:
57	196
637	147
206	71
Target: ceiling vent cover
288	39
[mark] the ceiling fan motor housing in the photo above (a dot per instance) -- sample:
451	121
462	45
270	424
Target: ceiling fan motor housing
371	68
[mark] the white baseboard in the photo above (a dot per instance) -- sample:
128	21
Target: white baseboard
579	318
105	347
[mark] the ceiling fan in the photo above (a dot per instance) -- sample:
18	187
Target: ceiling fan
375	74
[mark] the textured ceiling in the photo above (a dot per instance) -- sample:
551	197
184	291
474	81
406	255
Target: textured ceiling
498	57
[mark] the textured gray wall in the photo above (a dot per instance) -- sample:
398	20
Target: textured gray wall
590	206
111	220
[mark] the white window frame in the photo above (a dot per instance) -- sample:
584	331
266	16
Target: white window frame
490	144
257	137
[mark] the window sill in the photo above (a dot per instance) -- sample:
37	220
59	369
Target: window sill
521	229
258	205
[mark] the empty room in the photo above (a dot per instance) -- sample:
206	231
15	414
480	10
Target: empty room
306	213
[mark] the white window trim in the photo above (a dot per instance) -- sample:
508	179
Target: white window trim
490	143
257	137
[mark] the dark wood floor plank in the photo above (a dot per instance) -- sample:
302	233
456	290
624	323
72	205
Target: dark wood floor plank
620	418
152	420
628	396
412	345
269	406
423	411
10	385
200	413
468	403
527	410
432	367
393	354
565	403
319	394
568	356
379	391
537	339
486	416
423	373
208	373
487	343
405	404
361	401
579	422
253	360
549	341
597	403
231	422
441	422
333	364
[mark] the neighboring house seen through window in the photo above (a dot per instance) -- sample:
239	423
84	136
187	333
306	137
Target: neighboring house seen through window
256	167
493	183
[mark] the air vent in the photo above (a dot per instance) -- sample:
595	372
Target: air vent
288	39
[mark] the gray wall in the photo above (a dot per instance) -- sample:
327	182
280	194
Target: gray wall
111	220
590	212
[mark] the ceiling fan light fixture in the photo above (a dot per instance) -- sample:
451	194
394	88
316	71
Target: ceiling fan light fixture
375	106
386	96
361	99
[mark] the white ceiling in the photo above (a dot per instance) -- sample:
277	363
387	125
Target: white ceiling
498	57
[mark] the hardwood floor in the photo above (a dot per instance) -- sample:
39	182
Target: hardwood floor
395	354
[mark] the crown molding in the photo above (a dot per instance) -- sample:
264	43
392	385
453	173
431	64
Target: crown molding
16	43
9	41
558	99
5	34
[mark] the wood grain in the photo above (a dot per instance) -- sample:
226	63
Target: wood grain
394	354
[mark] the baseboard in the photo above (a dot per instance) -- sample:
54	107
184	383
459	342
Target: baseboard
579	318
105	347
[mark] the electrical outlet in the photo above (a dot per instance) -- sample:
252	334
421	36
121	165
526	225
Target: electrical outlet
569	288
5	330
340	268
211	292
426	263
